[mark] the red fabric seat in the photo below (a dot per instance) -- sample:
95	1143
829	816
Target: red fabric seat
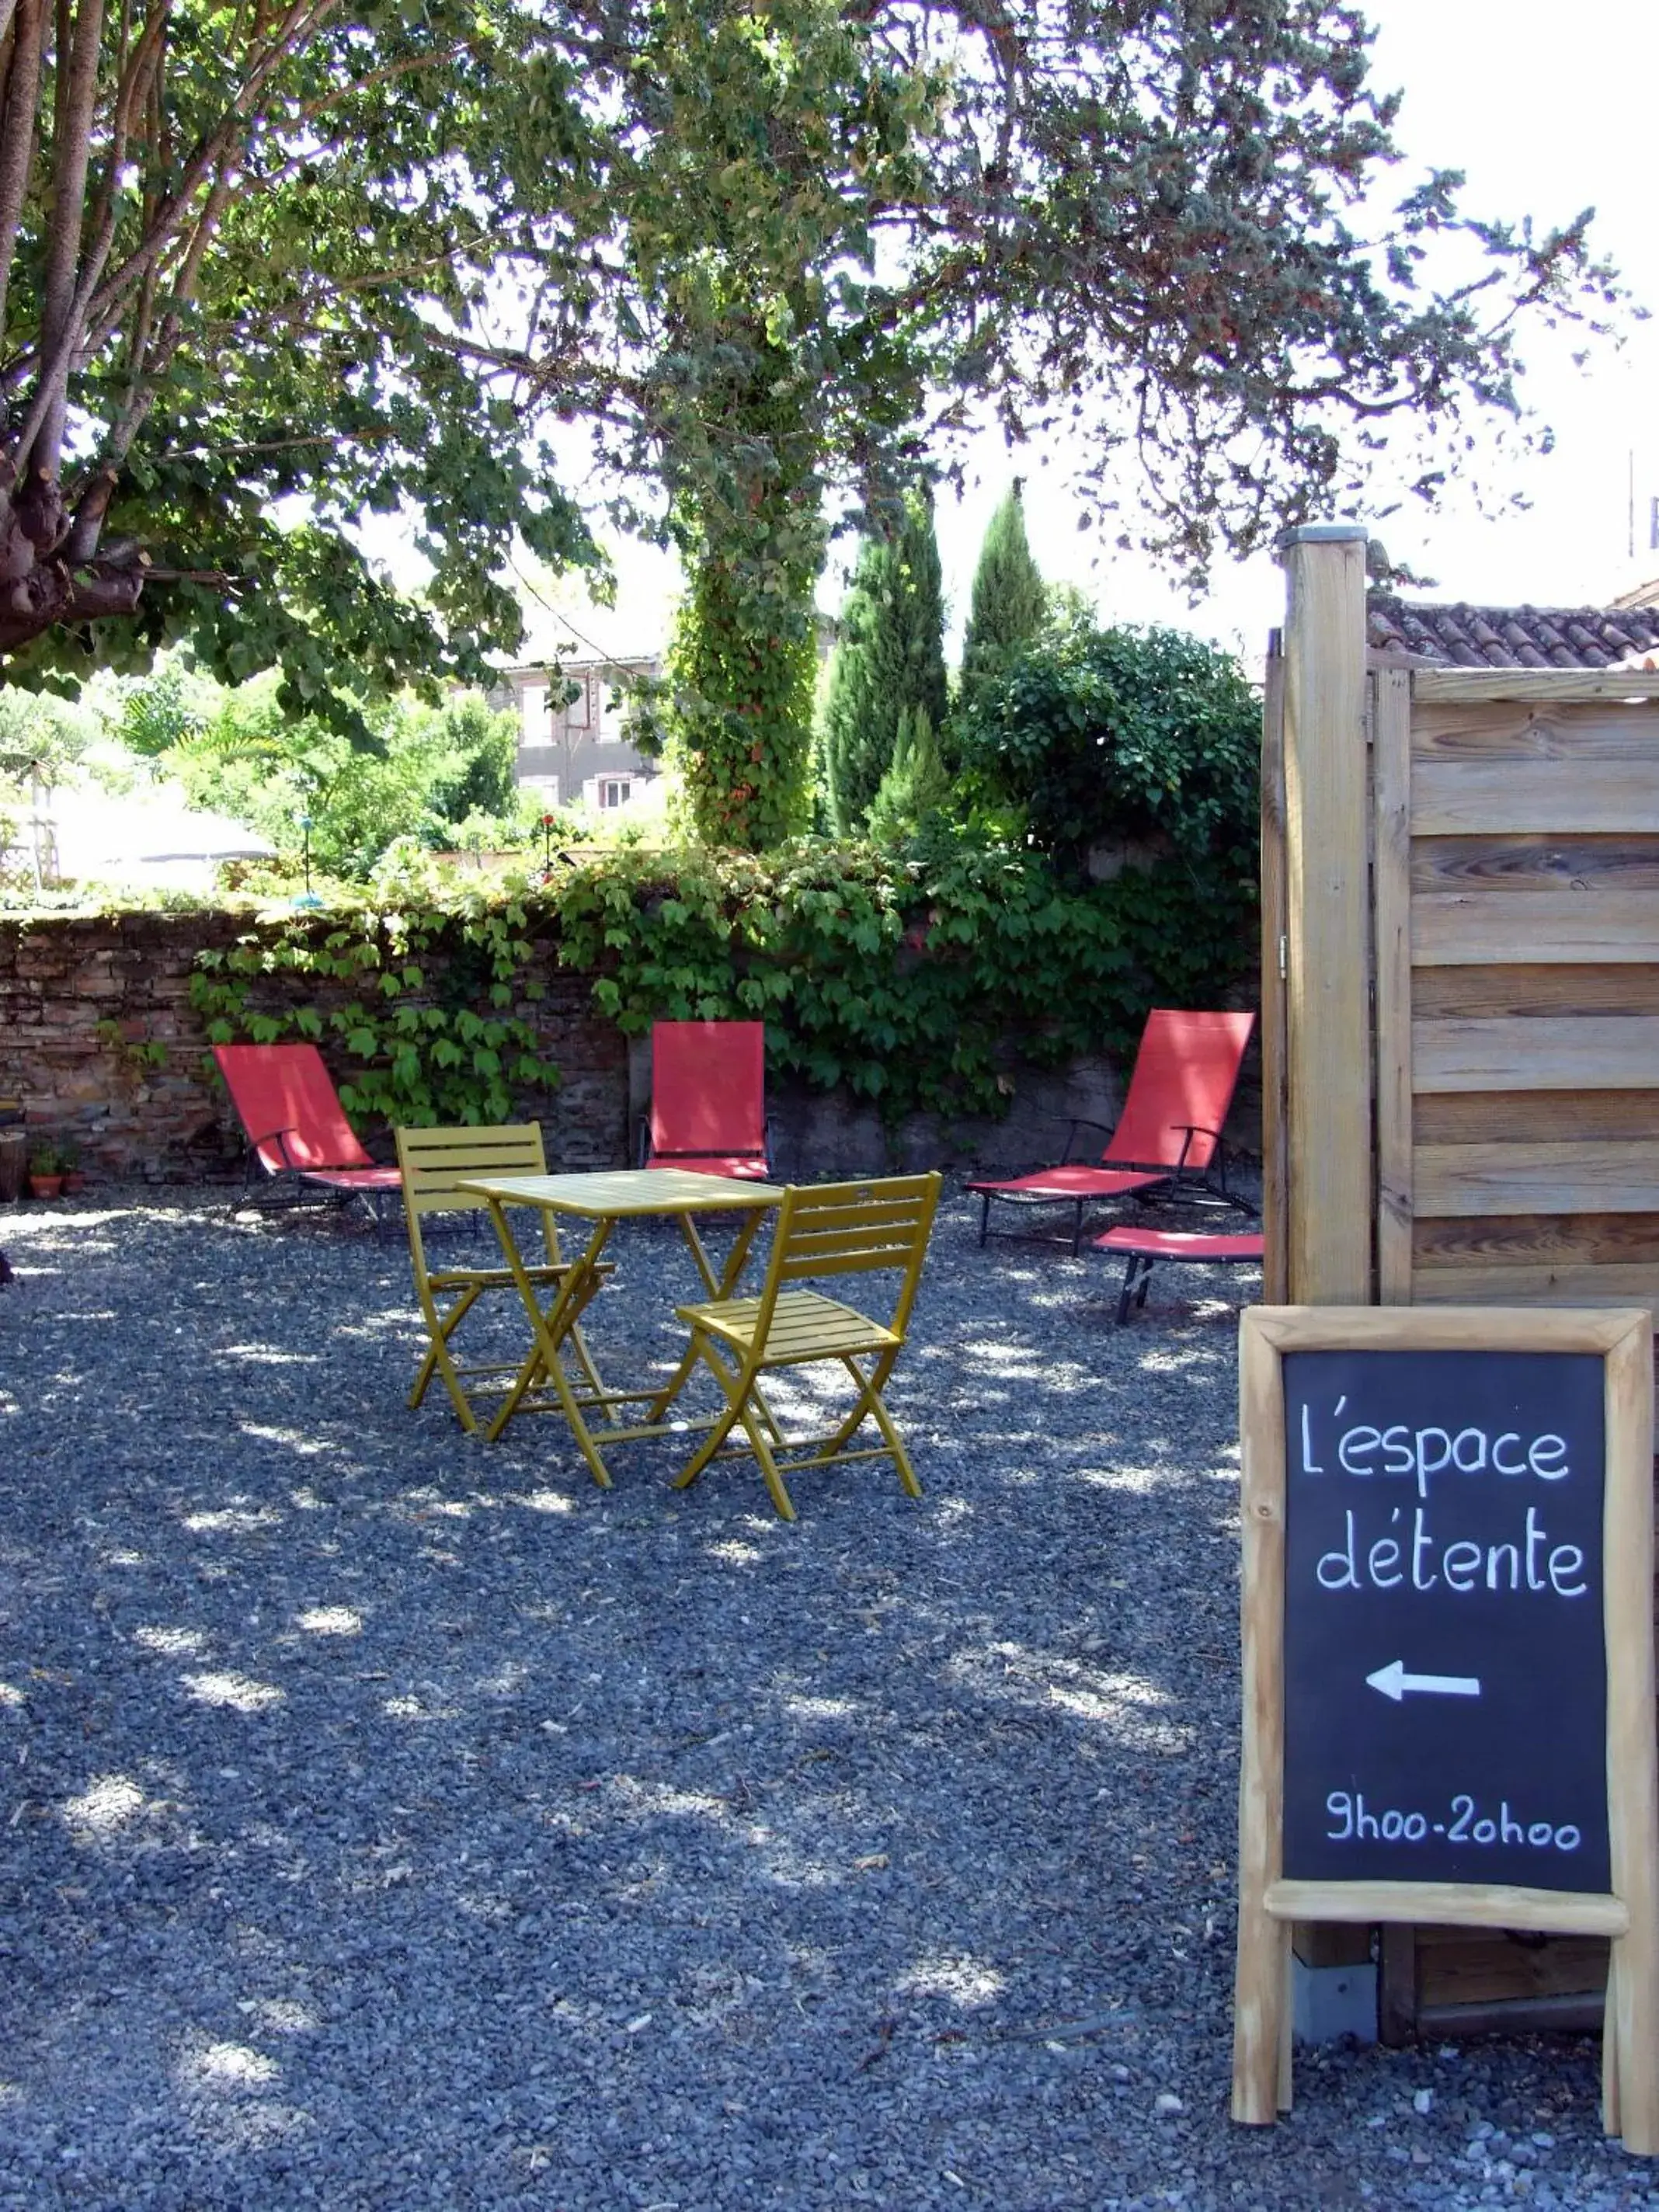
296	1127
740	1167
1143	1246
1169	1133
709	1099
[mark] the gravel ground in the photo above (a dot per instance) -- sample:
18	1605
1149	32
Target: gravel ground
396	1821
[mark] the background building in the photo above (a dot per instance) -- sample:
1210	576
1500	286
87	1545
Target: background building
572	741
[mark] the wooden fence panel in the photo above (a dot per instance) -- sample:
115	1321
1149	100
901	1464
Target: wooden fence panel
1519	1163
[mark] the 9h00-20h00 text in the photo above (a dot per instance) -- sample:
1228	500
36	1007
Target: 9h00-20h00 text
1466	1824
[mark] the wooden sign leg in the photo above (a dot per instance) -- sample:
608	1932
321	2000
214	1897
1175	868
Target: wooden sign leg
1633	2026
1262	2020
1610	2111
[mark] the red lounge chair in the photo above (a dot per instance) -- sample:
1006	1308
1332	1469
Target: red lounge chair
297	1135
1169	1132
709	1099
1143	1248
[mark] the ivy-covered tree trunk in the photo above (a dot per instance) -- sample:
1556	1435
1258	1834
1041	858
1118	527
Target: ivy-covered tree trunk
743	663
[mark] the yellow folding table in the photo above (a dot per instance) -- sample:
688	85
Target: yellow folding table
603	1199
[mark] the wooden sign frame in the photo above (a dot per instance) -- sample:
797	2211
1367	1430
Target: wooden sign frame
1629	1911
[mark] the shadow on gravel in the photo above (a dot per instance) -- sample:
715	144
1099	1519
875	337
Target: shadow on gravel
395	1821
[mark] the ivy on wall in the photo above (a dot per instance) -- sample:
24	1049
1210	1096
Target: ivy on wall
907	979
421	1001
911	980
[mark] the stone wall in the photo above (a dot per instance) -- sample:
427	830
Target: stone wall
84	999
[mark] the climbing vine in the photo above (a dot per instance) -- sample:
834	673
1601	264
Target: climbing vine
423	1002
913	980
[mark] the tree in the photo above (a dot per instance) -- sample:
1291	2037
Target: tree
1161	231
428	770
1009	600
915	784
889	661
268	271
235	245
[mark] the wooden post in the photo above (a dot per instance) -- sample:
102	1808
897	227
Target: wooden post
1391	751
1275	1136
1331	1192
1630	2032
1261	1992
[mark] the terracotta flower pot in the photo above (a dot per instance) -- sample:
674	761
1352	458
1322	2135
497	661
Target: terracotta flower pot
46	1186
74	1180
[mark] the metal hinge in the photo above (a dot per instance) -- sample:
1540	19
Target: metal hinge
1284	958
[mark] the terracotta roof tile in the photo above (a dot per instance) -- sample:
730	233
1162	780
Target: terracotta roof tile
1462	637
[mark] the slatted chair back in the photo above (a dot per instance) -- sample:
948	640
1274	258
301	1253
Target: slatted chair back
853	1229
707	1092
435	1162
288	1107
1181	1088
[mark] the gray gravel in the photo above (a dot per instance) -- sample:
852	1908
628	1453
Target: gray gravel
395	1821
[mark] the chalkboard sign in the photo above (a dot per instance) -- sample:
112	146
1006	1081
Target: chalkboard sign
1448	1649
1445	1664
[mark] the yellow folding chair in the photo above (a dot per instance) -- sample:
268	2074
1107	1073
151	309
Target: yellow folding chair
432	1162
828	1229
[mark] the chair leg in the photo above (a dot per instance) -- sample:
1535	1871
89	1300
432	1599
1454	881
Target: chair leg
438	1361
722	1428
984	1216
1127	1292
1077	1230
761	1446
671	1389
870	1402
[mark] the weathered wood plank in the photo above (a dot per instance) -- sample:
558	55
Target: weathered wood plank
1548	1178
1327	920
1391	774
1591	1052
1549	687
1530	865
1503	729
1538	1286
1526	1117
1461	1904
1519	798
1531	1240
1452	929
1475	994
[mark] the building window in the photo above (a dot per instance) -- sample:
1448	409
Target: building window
615	791
547	786
532	715
576	714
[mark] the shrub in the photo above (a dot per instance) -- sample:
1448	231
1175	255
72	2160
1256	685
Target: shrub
1092	734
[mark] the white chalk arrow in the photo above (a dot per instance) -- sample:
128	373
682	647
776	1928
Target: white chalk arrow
1395	1682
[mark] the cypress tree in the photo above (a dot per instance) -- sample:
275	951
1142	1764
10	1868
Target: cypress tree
890	658
1009	601
915	784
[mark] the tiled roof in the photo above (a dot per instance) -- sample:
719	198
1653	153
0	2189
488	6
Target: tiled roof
1462	637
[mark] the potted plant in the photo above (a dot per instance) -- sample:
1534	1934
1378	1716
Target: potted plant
45	1177
69	1161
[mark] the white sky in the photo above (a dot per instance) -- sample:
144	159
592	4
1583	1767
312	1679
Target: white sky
1547	113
